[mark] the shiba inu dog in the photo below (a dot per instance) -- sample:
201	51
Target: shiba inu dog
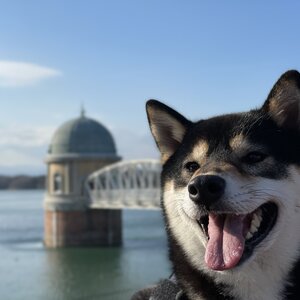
231	197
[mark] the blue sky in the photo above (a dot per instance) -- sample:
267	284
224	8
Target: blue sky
201	57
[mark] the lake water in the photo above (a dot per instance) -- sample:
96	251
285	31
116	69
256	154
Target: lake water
28	271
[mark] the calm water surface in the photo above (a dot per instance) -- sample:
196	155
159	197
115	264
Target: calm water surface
28	271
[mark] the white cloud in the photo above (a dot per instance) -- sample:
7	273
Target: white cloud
16	157
25	136
14	74
23	148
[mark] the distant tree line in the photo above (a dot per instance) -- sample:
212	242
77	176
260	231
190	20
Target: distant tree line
22	182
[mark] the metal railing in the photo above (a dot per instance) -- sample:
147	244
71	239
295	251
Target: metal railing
127	184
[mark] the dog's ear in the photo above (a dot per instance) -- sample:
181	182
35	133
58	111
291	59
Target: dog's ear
168	127
283	102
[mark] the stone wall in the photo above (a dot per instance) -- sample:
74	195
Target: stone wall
91	227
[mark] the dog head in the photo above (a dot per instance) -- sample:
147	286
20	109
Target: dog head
231	183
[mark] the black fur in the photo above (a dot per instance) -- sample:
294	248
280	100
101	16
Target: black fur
292	286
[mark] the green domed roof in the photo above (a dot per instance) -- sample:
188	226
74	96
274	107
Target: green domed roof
82	136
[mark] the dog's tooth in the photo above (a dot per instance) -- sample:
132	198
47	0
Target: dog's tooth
256	221
259	215
249	235
254	225
253	228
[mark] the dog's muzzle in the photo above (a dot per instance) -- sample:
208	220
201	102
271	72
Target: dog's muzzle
231	236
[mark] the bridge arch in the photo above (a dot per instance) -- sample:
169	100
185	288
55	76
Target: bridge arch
133	184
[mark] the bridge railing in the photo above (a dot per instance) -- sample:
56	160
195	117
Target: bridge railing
127	184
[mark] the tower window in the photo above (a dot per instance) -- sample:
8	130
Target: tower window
57	183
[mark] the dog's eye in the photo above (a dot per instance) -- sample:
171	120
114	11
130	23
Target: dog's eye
191	166
254	157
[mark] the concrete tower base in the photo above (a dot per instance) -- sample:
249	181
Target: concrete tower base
90	227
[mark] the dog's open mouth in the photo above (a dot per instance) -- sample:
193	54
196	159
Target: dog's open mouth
232	238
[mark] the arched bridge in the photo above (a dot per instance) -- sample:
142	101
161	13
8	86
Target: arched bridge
127	184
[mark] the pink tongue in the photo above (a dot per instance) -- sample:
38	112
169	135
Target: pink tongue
226	241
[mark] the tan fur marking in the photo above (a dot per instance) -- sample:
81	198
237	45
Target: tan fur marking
169	186
164	158
238	141
286	98
200	150
161	123
163	119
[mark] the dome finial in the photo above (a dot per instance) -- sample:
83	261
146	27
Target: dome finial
82	111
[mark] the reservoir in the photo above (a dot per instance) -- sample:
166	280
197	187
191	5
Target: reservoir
28	271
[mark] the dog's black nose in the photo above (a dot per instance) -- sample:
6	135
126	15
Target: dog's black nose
206	189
